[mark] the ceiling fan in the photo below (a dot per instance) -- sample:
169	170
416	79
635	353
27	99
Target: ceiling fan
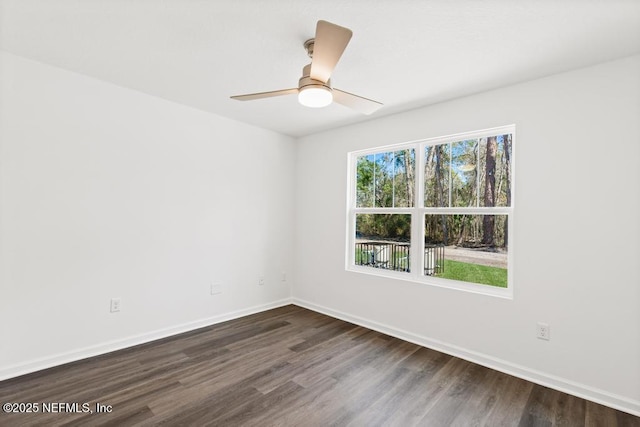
314	87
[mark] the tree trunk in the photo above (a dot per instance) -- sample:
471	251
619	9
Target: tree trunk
462	233
428	174
409	170
431	222
488	223
439	190
506	145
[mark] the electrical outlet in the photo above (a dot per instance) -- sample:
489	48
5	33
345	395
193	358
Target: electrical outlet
115	305
216	288
543	331
283	276
261	280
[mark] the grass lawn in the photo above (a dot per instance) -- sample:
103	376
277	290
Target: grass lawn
475	273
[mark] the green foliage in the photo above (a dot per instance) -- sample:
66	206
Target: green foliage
460	168
385	179
475	273
463	230
364	182
384	226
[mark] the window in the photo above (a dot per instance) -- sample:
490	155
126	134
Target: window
437	211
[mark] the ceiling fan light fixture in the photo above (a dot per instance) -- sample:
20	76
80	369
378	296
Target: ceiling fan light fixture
315	96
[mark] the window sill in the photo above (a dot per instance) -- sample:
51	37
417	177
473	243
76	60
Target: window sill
493	291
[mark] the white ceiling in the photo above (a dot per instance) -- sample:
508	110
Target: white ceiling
404	53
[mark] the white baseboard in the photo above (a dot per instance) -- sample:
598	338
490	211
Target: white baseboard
107	347
580	390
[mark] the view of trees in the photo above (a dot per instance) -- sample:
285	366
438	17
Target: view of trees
396	227
467	230
473	173
386	180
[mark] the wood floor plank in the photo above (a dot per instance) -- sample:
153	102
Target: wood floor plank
389	400
424	397
323	364
282	396
297	411
457	397
508	412
486	406
292	367
479	405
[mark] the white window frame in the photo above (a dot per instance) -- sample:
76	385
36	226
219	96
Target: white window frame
418	213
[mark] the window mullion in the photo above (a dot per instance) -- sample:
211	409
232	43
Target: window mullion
478	172
375	187
450	167
419	176
417	221
393	180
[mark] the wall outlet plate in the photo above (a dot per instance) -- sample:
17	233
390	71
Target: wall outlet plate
543	331
216	288
115	305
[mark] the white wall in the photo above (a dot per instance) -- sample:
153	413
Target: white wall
576	235
106	192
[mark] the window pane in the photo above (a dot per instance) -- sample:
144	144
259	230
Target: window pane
495	171
364	181
404	162
503	173
383	241
437	175
468	248
464	173
383	180
386	180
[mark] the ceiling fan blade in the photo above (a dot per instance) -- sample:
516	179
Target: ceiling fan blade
252	96
331	40
358	103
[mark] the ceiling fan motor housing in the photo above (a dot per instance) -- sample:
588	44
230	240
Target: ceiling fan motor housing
307	81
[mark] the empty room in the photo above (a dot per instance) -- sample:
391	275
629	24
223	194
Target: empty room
311	213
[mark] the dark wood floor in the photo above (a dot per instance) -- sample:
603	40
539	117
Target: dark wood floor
292	367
